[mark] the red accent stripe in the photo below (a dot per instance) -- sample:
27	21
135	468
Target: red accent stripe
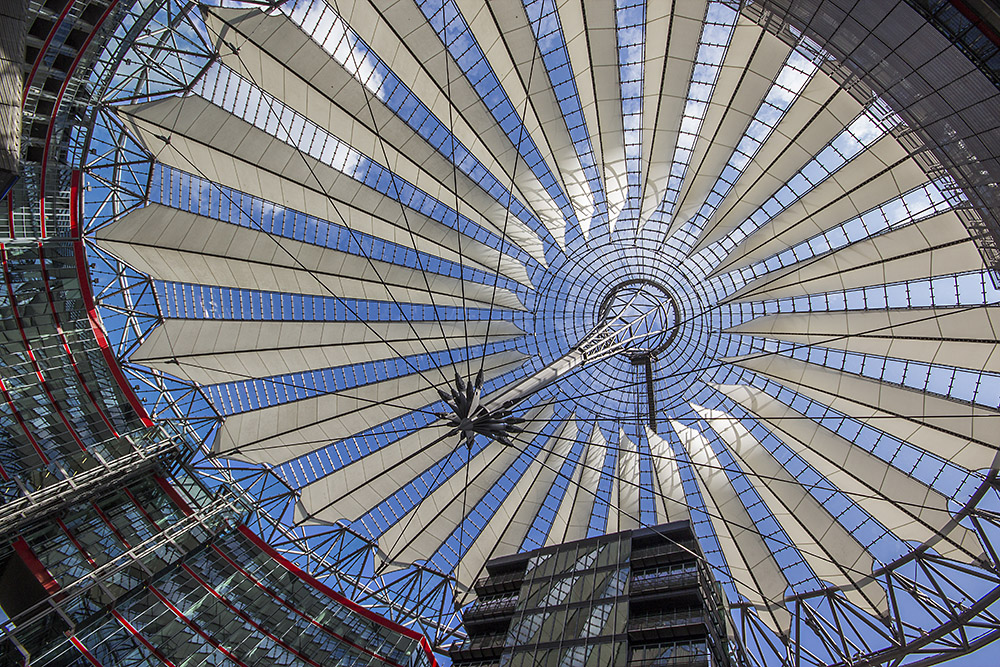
31	355
977	21
76	543
194	626
138	635
21	422
83	277
37	569
65	343
107	520
55	110
41	54
312	581
83	649
245	617
141	509
74	205
102	340
274	594
169	489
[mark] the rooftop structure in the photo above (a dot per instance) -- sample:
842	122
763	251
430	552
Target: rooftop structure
641	598
404	287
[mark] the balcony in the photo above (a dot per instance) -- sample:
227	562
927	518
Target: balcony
481	647
499	583
679	661
487	610
663	552
672	620
647	582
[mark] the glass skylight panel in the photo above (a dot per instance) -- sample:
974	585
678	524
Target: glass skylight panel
447	21
716	33
870	126
187	301
797	71
784	551
544	21
630	20
881	543
351	52
272	116
269	391
922	202
962	384
192	193
950	479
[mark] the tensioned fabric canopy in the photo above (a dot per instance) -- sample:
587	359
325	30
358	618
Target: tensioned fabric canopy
358	201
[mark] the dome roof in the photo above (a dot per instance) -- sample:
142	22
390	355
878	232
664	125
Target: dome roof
717	276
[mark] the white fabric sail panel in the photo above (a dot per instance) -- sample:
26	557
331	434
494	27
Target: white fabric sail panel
873	177
752	62
214	351
907	507
512	519
585	489
668	493
282	432
936	246
755	573
177	246
670	52
351	491
418	58
952	430
503	29
276	55
624	513
262	166
827	547
818	115
592	44
574	23
441	80
560	520
957	336
421	531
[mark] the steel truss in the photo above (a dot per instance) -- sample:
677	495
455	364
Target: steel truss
165	50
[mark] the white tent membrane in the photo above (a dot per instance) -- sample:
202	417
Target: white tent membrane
821	109
507	528
294	68
828	548
538	157
268	167
757	575
883	168
948	336
953	430
182	247
215	351
282	432
908	508
435	516
670	502
753	60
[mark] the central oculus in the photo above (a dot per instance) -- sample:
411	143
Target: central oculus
643	314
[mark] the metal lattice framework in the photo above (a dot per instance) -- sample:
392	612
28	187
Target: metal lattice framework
468	200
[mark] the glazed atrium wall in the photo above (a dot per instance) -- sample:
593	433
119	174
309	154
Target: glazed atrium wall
111	552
